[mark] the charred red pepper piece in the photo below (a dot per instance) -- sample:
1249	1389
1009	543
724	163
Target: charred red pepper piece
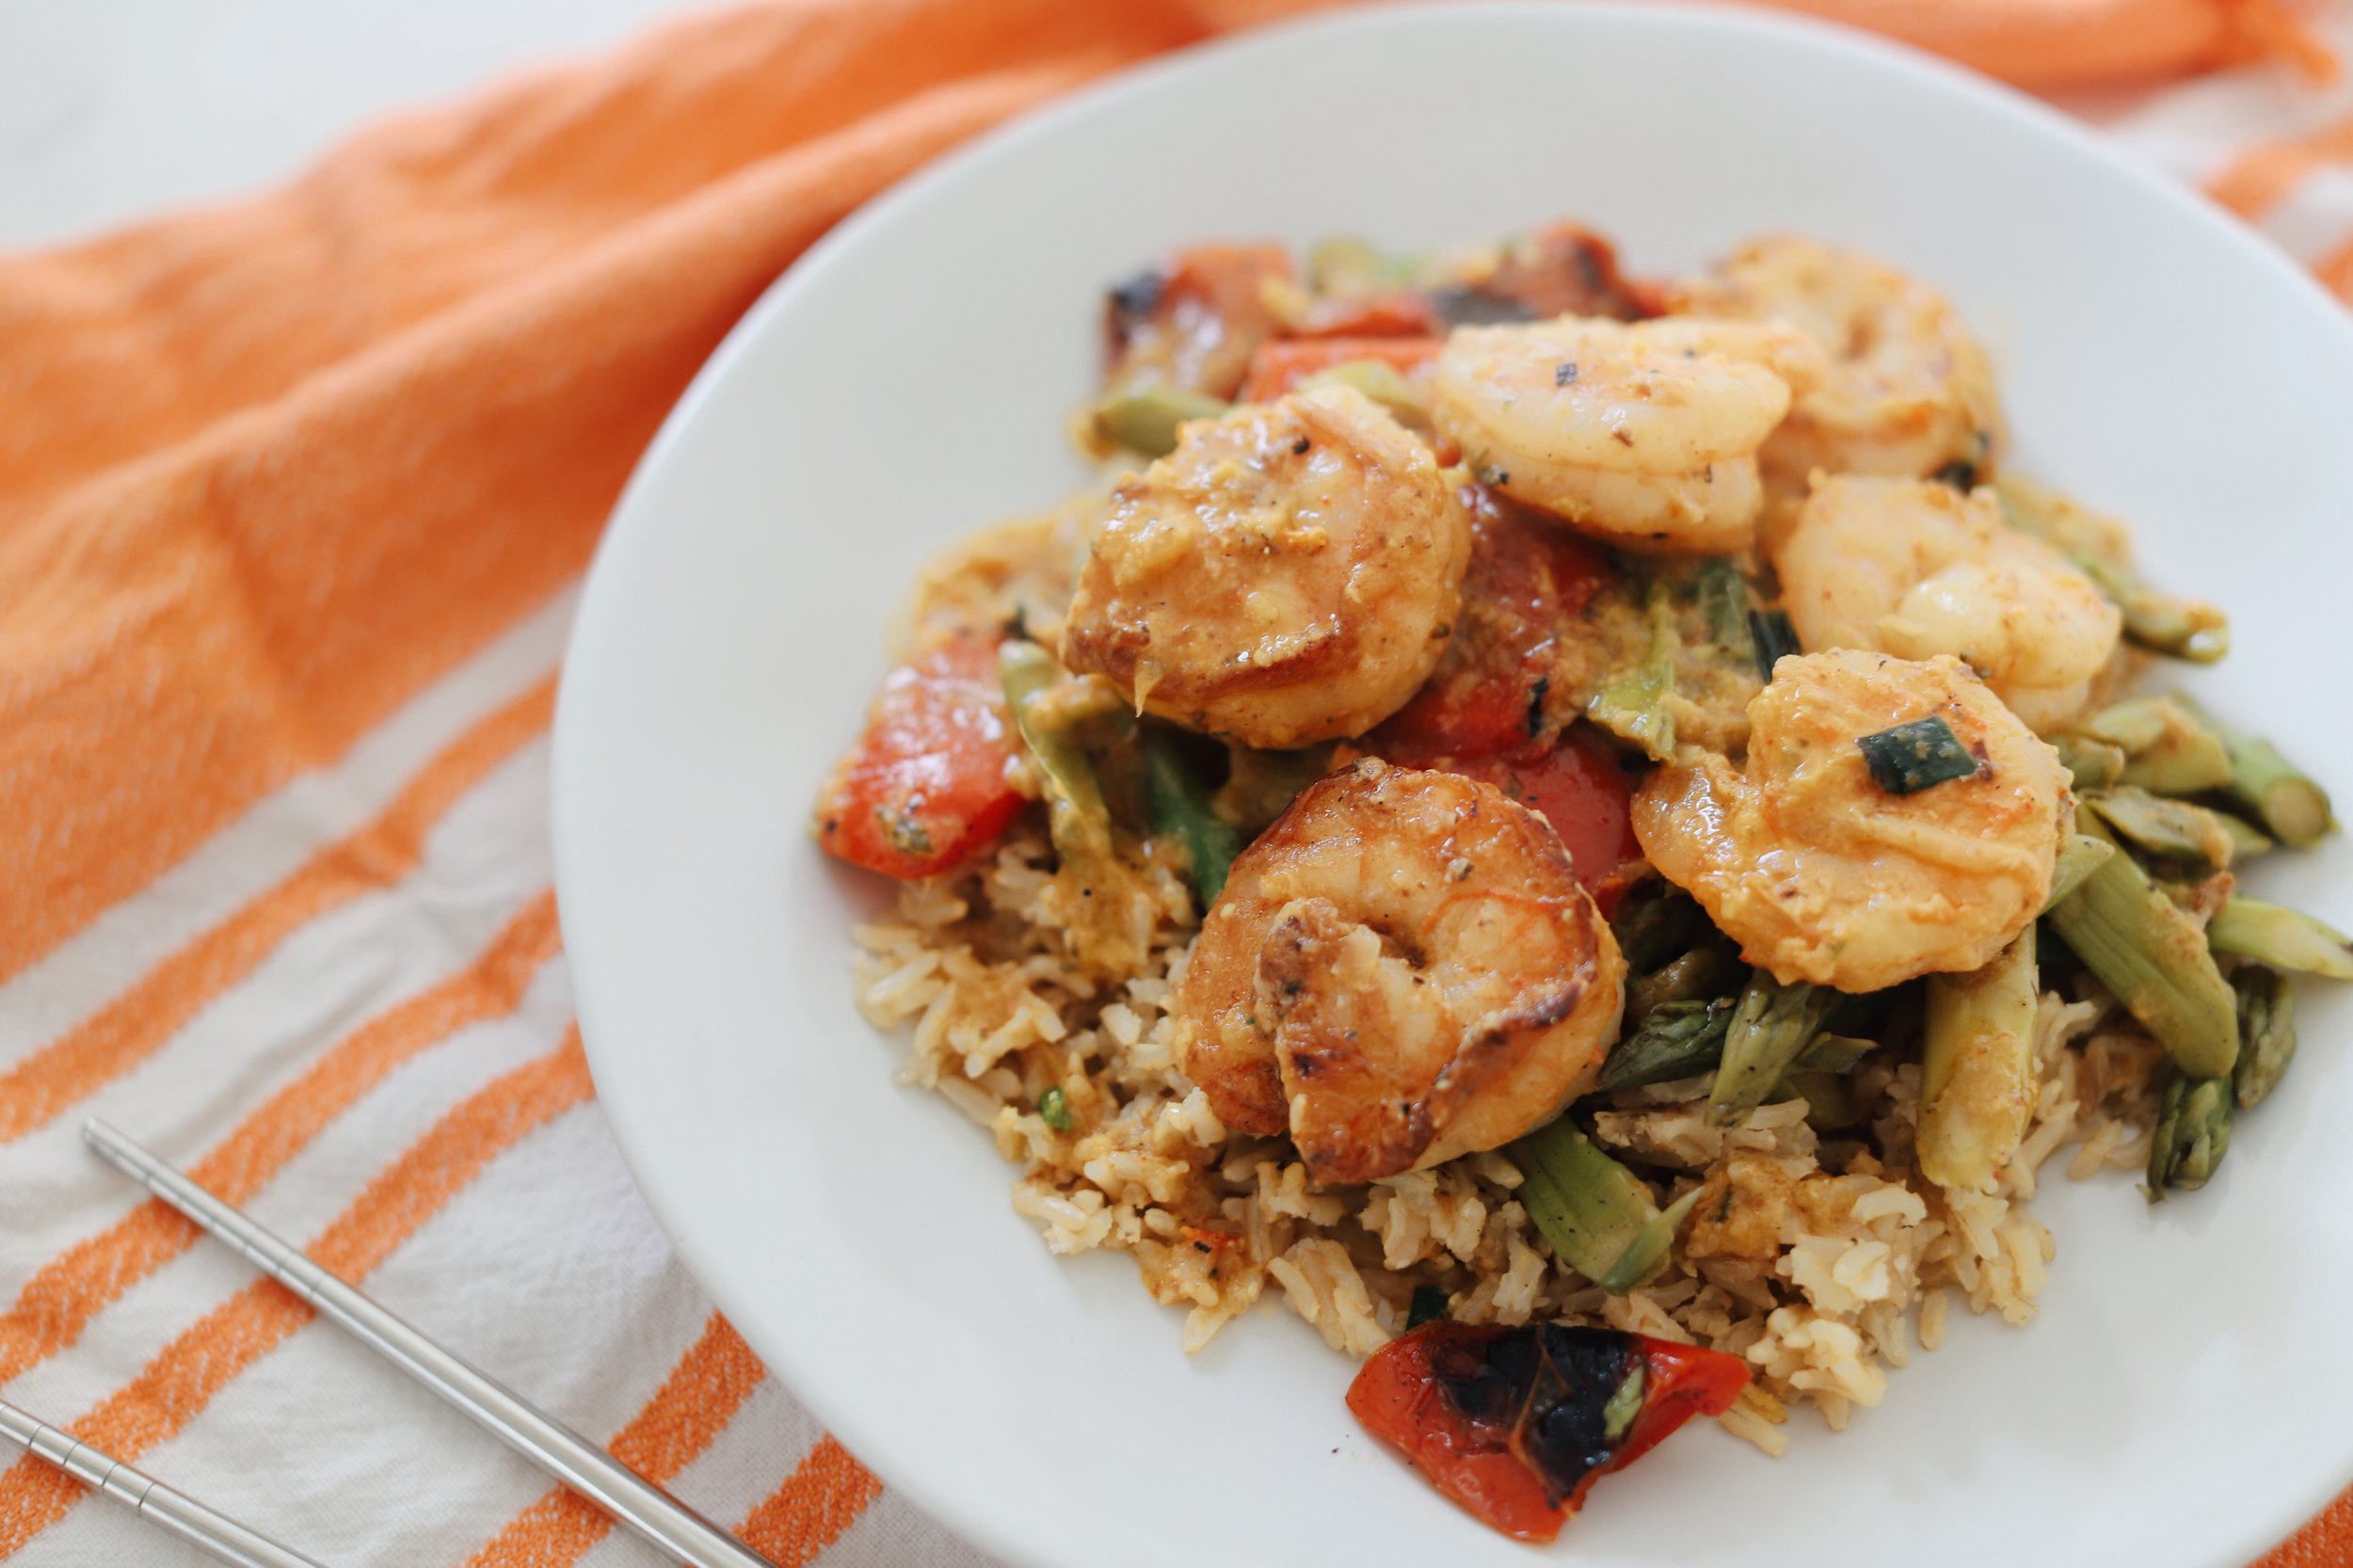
1559	270
1685	1381
926	786
1527	580
1516	1424
1482	712
1195	322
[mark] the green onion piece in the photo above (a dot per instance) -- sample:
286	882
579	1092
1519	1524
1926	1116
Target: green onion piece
1774	639
2182	628
2247	839
2162	623
1677	1040
1428	1306
1833	1054
1648	1250
1830	1102
2078	859
1181	809
1634	706
1075	818
1260	785
1590	1208
1469	305
2155	957
2131	726
1381	381
1700	975
1343	263
2281	937
1651	930
1053	1109
1769	1028
1722	596
2193	1134
1617	1417
1916	756
2166	750
1976	1073
2171	829
2288	804
2266	1032
1147	420
2093	764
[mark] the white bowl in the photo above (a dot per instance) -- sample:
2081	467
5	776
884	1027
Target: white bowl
2182	1400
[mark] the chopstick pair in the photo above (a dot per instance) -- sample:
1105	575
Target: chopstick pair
633	1502
158	1504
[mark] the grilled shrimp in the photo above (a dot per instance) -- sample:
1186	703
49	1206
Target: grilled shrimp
1401	970
1907	390
1289	573
1818	873
1644	436
1914	567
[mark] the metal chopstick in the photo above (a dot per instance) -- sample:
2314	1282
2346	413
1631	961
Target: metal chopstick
633	1501
149	1498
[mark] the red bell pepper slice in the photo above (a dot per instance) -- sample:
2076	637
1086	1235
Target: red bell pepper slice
1583	792
1482	712
1517	1424
928	785
1396	312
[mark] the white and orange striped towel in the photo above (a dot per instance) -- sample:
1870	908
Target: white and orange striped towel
294	496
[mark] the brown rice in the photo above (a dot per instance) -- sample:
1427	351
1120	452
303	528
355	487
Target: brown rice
1821	1300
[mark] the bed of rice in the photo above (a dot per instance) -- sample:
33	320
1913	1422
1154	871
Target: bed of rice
1835	1259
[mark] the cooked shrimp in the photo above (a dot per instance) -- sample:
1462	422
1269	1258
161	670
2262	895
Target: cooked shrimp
1822	875
1906	390
1914	567
1289	573
1401	970
1645	436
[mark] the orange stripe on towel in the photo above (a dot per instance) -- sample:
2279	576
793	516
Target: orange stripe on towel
2322	1543
693	1405
173	1388
130	1029
2259	179
822	1498
58	1302
2335	271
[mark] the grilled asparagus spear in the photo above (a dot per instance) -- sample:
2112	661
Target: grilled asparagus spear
2266	1032
1769	1030
2281	937
2193	1134
2286	804
1977	1079
2153	956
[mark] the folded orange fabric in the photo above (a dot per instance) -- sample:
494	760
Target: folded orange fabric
2088	43
270	470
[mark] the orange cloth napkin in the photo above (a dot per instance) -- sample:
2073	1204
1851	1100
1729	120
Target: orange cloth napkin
292	496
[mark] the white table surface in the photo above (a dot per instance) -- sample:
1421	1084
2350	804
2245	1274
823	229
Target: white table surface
115	109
